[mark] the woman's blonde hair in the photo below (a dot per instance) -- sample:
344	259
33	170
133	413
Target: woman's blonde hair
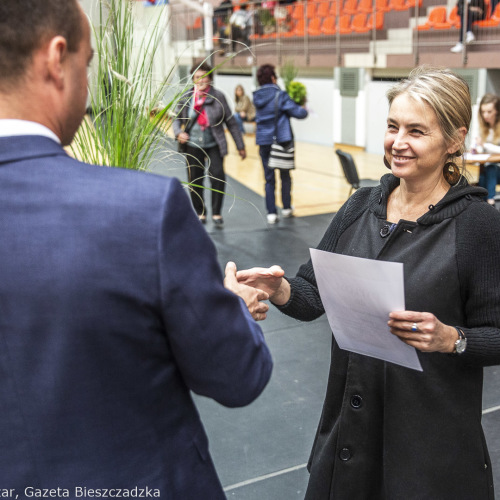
448	95
484	128
236	96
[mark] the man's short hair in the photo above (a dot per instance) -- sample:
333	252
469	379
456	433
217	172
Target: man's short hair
25	25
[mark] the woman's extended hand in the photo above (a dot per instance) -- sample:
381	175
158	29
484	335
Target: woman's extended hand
268	279
183	137
253	297
430	335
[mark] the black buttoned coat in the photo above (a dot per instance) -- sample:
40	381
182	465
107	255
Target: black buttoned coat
392	433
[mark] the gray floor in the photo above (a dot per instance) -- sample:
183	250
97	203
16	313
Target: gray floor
260	451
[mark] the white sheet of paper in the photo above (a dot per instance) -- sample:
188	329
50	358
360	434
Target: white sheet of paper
476	156
358	295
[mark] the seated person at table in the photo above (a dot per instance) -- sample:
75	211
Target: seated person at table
488	141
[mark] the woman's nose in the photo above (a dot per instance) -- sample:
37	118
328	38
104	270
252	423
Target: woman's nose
399	141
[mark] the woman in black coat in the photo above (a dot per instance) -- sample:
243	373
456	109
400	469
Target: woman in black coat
389	432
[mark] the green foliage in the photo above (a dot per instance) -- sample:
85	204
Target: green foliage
125	102
297	92
288	72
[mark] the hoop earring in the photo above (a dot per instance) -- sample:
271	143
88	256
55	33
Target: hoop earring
451	172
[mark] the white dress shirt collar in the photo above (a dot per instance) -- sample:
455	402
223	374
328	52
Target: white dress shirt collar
9	128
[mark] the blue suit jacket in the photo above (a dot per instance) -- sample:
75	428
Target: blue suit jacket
112	309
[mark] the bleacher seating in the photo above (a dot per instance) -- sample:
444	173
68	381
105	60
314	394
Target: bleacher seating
317	18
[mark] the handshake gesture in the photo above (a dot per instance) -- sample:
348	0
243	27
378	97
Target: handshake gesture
257	285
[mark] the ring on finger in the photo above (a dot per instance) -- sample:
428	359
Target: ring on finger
414	327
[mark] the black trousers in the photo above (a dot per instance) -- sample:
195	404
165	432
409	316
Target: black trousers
203	163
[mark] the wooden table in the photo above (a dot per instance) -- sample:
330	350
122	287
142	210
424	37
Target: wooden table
482	158
475	163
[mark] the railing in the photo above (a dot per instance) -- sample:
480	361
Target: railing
341	32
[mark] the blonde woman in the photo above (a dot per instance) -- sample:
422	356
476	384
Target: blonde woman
488	141
244	110
388	432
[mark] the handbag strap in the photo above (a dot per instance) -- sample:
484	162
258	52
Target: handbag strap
275	137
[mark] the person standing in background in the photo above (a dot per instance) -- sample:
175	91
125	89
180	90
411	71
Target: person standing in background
488	141
244	110
206	146
269	100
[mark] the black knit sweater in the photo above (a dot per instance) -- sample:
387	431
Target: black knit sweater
477	252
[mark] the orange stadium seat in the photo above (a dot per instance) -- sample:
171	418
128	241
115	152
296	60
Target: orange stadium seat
345	24
436	15
382	5
358	24
298	11
365	6
333	7
323	9
453	21
312	8
350	7
398	5
379	21
314	28
329	26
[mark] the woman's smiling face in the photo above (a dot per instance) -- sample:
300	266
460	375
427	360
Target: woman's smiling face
414	144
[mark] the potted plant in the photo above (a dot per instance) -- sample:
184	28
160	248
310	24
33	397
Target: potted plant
296	90
126	117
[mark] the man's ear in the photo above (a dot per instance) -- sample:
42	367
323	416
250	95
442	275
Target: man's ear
57	50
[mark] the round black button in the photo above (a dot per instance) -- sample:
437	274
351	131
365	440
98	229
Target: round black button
345	454
356	401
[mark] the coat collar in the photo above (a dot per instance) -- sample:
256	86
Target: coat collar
457	199
25	147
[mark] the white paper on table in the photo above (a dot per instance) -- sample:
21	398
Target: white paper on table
358	295
476	156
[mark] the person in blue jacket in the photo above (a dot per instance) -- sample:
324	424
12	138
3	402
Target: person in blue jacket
264	101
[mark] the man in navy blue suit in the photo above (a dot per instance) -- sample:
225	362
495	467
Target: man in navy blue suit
112	305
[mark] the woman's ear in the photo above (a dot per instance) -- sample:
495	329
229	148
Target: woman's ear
455	145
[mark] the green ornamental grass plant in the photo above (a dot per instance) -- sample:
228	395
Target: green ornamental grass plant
127	116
